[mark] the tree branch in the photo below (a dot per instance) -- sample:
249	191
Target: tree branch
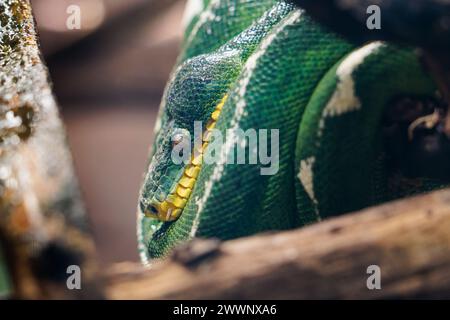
408	239
42	222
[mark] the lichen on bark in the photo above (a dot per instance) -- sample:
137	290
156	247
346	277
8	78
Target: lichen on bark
40	206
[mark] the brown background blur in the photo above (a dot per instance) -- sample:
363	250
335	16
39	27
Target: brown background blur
108	78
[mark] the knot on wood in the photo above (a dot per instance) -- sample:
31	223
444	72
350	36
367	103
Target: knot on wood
196	252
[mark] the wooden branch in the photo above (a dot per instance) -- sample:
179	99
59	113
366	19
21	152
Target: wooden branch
408	239
42	223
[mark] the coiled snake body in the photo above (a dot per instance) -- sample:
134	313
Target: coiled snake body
267	65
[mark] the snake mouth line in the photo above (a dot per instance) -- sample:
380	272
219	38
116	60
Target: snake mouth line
171	208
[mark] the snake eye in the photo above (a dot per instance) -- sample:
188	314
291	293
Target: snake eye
177	139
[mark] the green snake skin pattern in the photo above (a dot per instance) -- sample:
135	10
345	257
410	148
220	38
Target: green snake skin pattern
273	67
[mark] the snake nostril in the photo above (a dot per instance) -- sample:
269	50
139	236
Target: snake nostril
153	209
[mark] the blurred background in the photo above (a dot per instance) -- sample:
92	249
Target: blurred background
108	78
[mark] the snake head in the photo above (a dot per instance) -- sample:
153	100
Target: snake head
160	183
197	89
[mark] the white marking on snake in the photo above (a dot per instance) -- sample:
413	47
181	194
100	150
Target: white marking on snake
157	125
192	9
344	98
196	221
306	177
247	73
141	246
205	16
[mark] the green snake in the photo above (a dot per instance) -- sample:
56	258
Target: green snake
264	65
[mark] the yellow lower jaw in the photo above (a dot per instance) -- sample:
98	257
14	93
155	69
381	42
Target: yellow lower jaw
170	209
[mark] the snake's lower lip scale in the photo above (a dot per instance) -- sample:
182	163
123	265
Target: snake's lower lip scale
171	208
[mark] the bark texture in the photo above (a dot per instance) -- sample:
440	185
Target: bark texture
42	222
409	240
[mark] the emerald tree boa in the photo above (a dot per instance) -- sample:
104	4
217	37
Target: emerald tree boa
338	120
